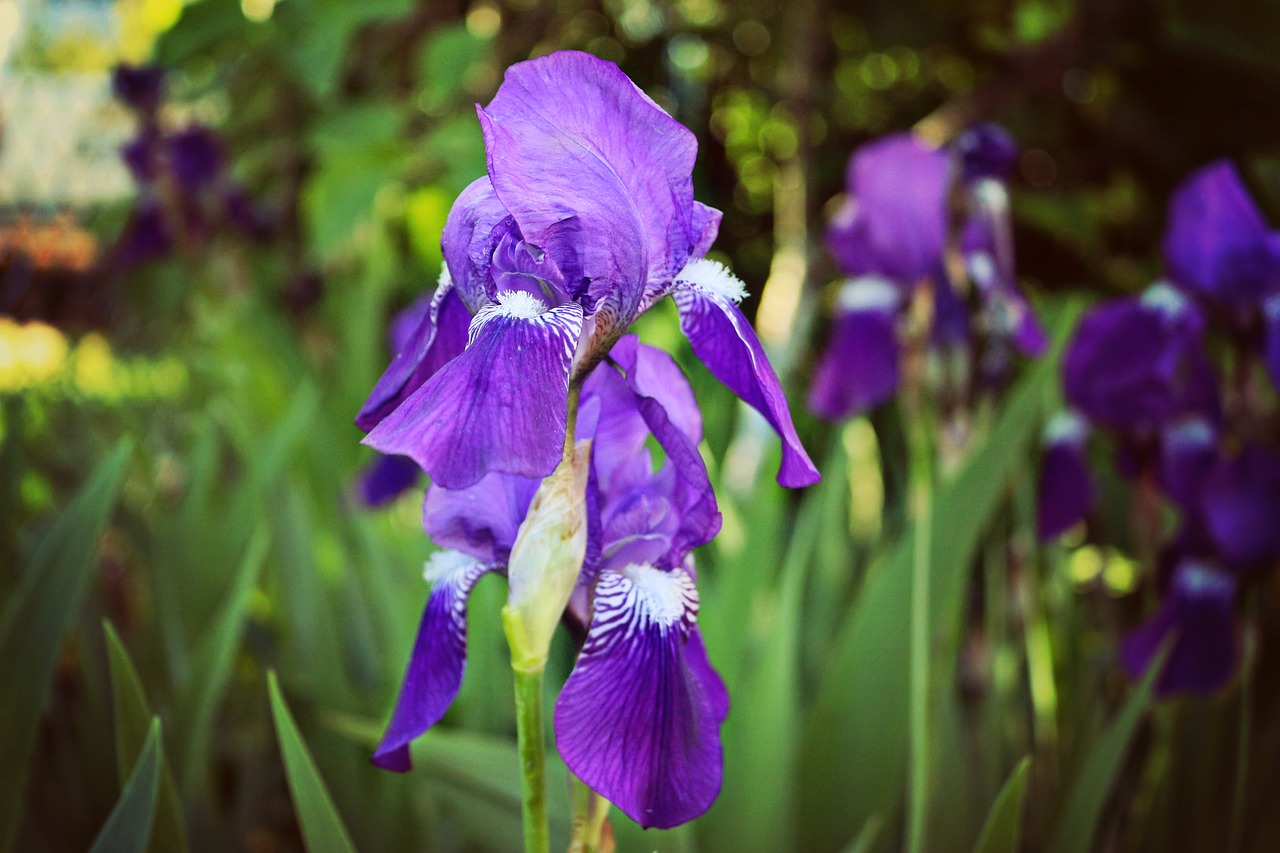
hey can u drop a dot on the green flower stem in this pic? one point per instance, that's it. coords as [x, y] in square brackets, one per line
[533, 761]
[590, 819]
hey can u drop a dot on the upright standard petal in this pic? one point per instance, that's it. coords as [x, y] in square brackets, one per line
[502, 405]
[1216, 243]
[477, 222]
[437, 339]
[1198, 609]
[859, 369]
[894, 223]
[570, 135]
[639, 717]
[439, 656]
[706, 295]
[1066, 490]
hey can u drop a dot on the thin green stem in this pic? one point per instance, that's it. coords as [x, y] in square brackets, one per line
[590, 818]
[921, 462]
[1243, 743]
[533, 770]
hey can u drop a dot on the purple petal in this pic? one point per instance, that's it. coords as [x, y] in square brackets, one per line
[195, 157]
[653, 373]
[569, 135]
[1216, 242]
[476, 224]
[895, 221]
[482, 519]
[639, 718]
[145, 236]
[987, 150]
[438, 338]
[859, 368]
[387, 478]
[500, 406]
[725, 342]
[1066, 490]
[1188, 449]
[1199, 606]
[404, 325]
[1241, 505]
[139, 87]
[438, 659]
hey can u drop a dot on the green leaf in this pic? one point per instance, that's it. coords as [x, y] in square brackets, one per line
[128, 828]
[854, 756]
[322, 827]
[36, 620]
[1000, 833]
[211, 664]
[132, 716]
[1081, 809]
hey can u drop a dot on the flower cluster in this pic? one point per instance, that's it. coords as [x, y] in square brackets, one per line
[1143, 369]
[522, 396]
[184, 191]
[894, 235]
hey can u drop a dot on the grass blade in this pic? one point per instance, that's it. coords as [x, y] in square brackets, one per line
[128, 828]
[322, 827]
[43, 608]
[132, 716]
[1003, 826]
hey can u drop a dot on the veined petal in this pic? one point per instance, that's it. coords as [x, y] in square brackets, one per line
[482, 519]
[859, 368]
[438, 338]
[639, 717]
[438, 659]
[725, 342]
[502, 405]
[653, 373]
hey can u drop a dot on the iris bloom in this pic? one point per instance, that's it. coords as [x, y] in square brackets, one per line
[638, 719]
[585, 220]
[892, 234]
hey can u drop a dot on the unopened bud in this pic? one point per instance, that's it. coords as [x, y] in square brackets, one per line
[546, 561]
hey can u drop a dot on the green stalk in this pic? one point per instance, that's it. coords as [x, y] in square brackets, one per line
[918, 793]
[533, 764]
[590, 818]
[1245, 734]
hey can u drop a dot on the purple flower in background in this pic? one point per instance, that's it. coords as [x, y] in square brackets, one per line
[1066, 489]
[639, 718]
[140, 87]
[1241, 506]
[1217, 244]
[986, 150]
[195, 157]
[1198, 610]
[387, 478]
[145, 236]
[859, 368]
[1136, 363]
[893, 224]
[585, 219]
[1188, 449]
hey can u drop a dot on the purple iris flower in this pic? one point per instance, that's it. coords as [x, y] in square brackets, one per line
[986, 150]
[893, 224]
[1136, 363]
[585, 219]
[1217, 244]
[1188, 450]
[1241, 505]
[1199, 608]
[638, 719]
[145, 237]
[140, 87]
[859, 368]
[1066, 489]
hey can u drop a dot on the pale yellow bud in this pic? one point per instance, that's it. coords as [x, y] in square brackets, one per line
[546, 561]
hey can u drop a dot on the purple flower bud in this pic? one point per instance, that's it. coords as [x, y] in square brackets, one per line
[986, 150]
[1065, 491]
[1216, 243]
[195, 157]
[1198, 610]
[139, 87]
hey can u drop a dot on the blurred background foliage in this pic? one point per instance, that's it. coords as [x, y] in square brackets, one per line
[178, 511]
